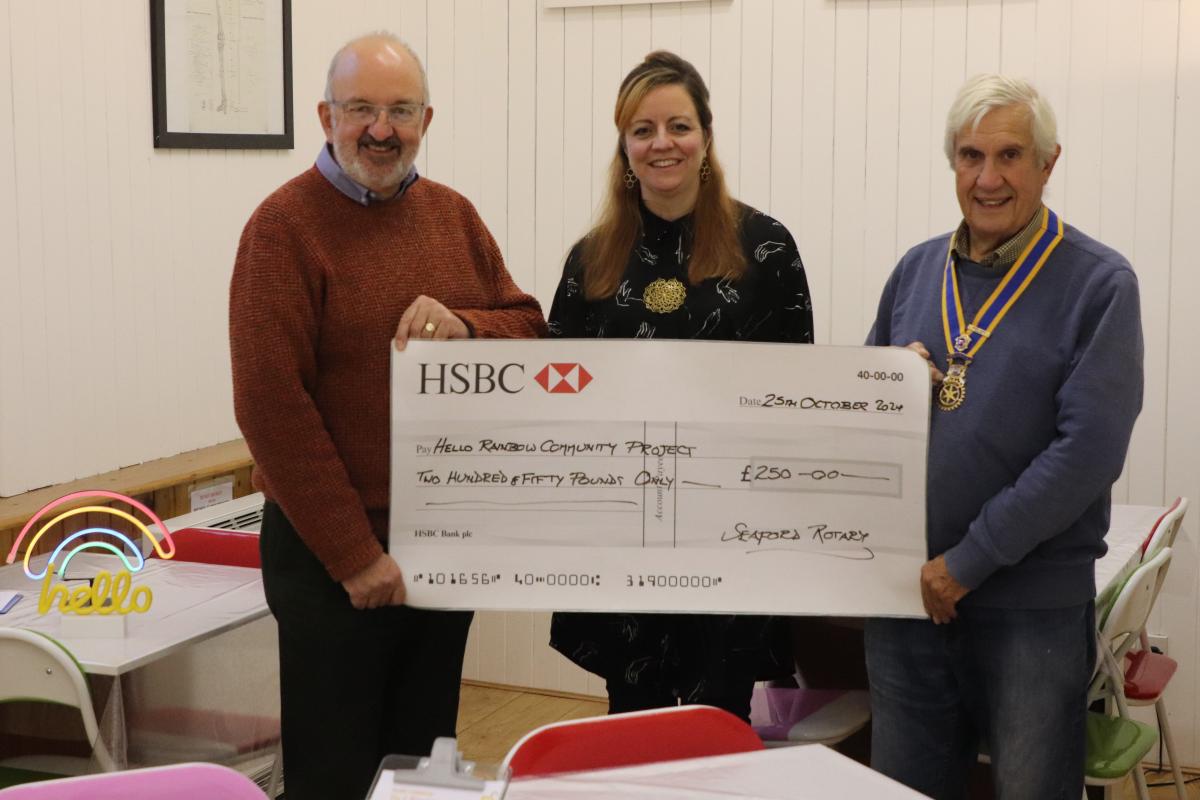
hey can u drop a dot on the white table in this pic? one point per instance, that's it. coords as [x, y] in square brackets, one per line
[809, 772]
[192, 602]
[206, 645]
[1129, 527]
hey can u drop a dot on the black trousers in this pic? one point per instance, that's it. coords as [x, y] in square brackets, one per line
[355, 685]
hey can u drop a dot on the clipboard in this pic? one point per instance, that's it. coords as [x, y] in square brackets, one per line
[442, 775]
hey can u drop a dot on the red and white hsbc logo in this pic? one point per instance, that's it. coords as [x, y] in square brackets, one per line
[567, 378]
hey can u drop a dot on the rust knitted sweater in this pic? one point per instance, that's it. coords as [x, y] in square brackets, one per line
[319, 284]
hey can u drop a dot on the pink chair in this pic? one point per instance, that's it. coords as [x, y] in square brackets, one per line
[639, 737]
[176, 782]
[788, 716]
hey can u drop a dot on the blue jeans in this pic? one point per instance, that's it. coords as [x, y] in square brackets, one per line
[1014, 678]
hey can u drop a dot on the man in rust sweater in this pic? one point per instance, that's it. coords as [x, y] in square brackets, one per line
[332, 267]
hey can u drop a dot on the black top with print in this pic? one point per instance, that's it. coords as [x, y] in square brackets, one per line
[770, 303]
[655, 659]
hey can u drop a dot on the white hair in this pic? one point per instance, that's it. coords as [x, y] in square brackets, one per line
[386, 36]
[990, 91]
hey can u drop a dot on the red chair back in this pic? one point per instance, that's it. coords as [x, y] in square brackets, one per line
[639, 737]
[217, 546]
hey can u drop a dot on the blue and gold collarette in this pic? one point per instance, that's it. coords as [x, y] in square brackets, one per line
[964, 340]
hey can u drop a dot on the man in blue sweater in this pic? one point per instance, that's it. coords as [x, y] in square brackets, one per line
[1033, 335]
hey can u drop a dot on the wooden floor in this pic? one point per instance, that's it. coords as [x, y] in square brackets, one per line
[491, 720]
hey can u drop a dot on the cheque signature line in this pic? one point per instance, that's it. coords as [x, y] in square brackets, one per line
[867, 553]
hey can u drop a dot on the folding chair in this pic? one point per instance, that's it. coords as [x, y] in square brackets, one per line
[1147, 673]
[638, 737]
[40, 669]
[174, 782]
[1117, 745]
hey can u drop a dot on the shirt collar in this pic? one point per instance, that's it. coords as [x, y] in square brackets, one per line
[1006, 254]
[328, 166]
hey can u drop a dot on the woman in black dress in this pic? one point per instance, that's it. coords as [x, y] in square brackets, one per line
[673, 256]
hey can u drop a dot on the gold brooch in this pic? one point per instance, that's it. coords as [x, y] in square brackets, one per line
[664, 295]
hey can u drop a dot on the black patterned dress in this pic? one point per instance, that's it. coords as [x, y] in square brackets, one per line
[654, 660]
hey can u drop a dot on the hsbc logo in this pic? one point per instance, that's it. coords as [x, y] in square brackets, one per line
[471, 378]
[564, 378]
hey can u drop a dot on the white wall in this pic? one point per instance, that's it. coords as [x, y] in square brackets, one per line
[828, 115]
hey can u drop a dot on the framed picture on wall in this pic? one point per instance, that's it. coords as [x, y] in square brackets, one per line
[222, 73]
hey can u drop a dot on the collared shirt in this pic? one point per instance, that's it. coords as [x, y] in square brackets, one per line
[333, 172]
[1006, 254]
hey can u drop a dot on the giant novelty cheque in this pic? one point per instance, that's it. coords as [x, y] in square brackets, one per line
[659, 476]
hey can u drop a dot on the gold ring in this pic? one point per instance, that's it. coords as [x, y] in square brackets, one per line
[430, 327]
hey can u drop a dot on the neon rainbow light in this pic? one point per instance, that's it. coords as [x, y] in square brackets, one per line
[62, 570]
[166, 553]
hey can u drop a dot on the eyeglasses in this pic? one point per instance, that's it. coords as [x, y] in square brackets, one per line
[401, 115]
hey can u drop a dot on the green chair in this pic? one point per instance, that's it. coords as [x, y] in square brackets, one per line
[1115, 747]
[1117, 744]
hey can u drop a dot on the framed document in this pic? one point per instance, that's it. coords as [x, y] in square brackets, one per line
[222, 73]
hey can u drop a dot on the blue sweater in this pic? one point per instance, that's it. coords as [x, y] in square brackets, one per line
[1020, 474]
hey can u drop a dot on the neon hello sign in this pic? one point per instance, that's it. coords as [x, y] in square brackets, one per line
[109, 593]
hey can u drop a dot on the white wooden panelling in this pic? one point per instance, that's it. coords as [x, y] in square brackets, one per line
[787, 117]
[696, 36]
[1118, 179]
[666, 29]
[881, 168]
[949, 71]
[636, 34]
[37, 454]
[522, 148]
[917, 138]
[607, 71]
[1183, 378]
[467, 129]
[816, 170]
[577, 172]
[1151, 200]
[1018, 42]
[491, 68]
[827, 115]
[754, 121]
[550, 245]
[984, 19]
[852, 116]
[439, 64]
[726, 89]
[13, 443]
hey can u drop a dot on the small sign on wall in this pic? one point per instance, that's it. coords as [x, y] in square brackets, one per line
[212, 494]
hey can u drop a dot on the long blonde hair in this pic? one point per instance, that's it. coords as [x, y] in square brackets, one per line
[716, 243]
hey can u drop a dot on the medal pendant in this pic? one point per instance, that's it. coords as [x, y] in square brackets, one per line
[664, 295]
[954, 387]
